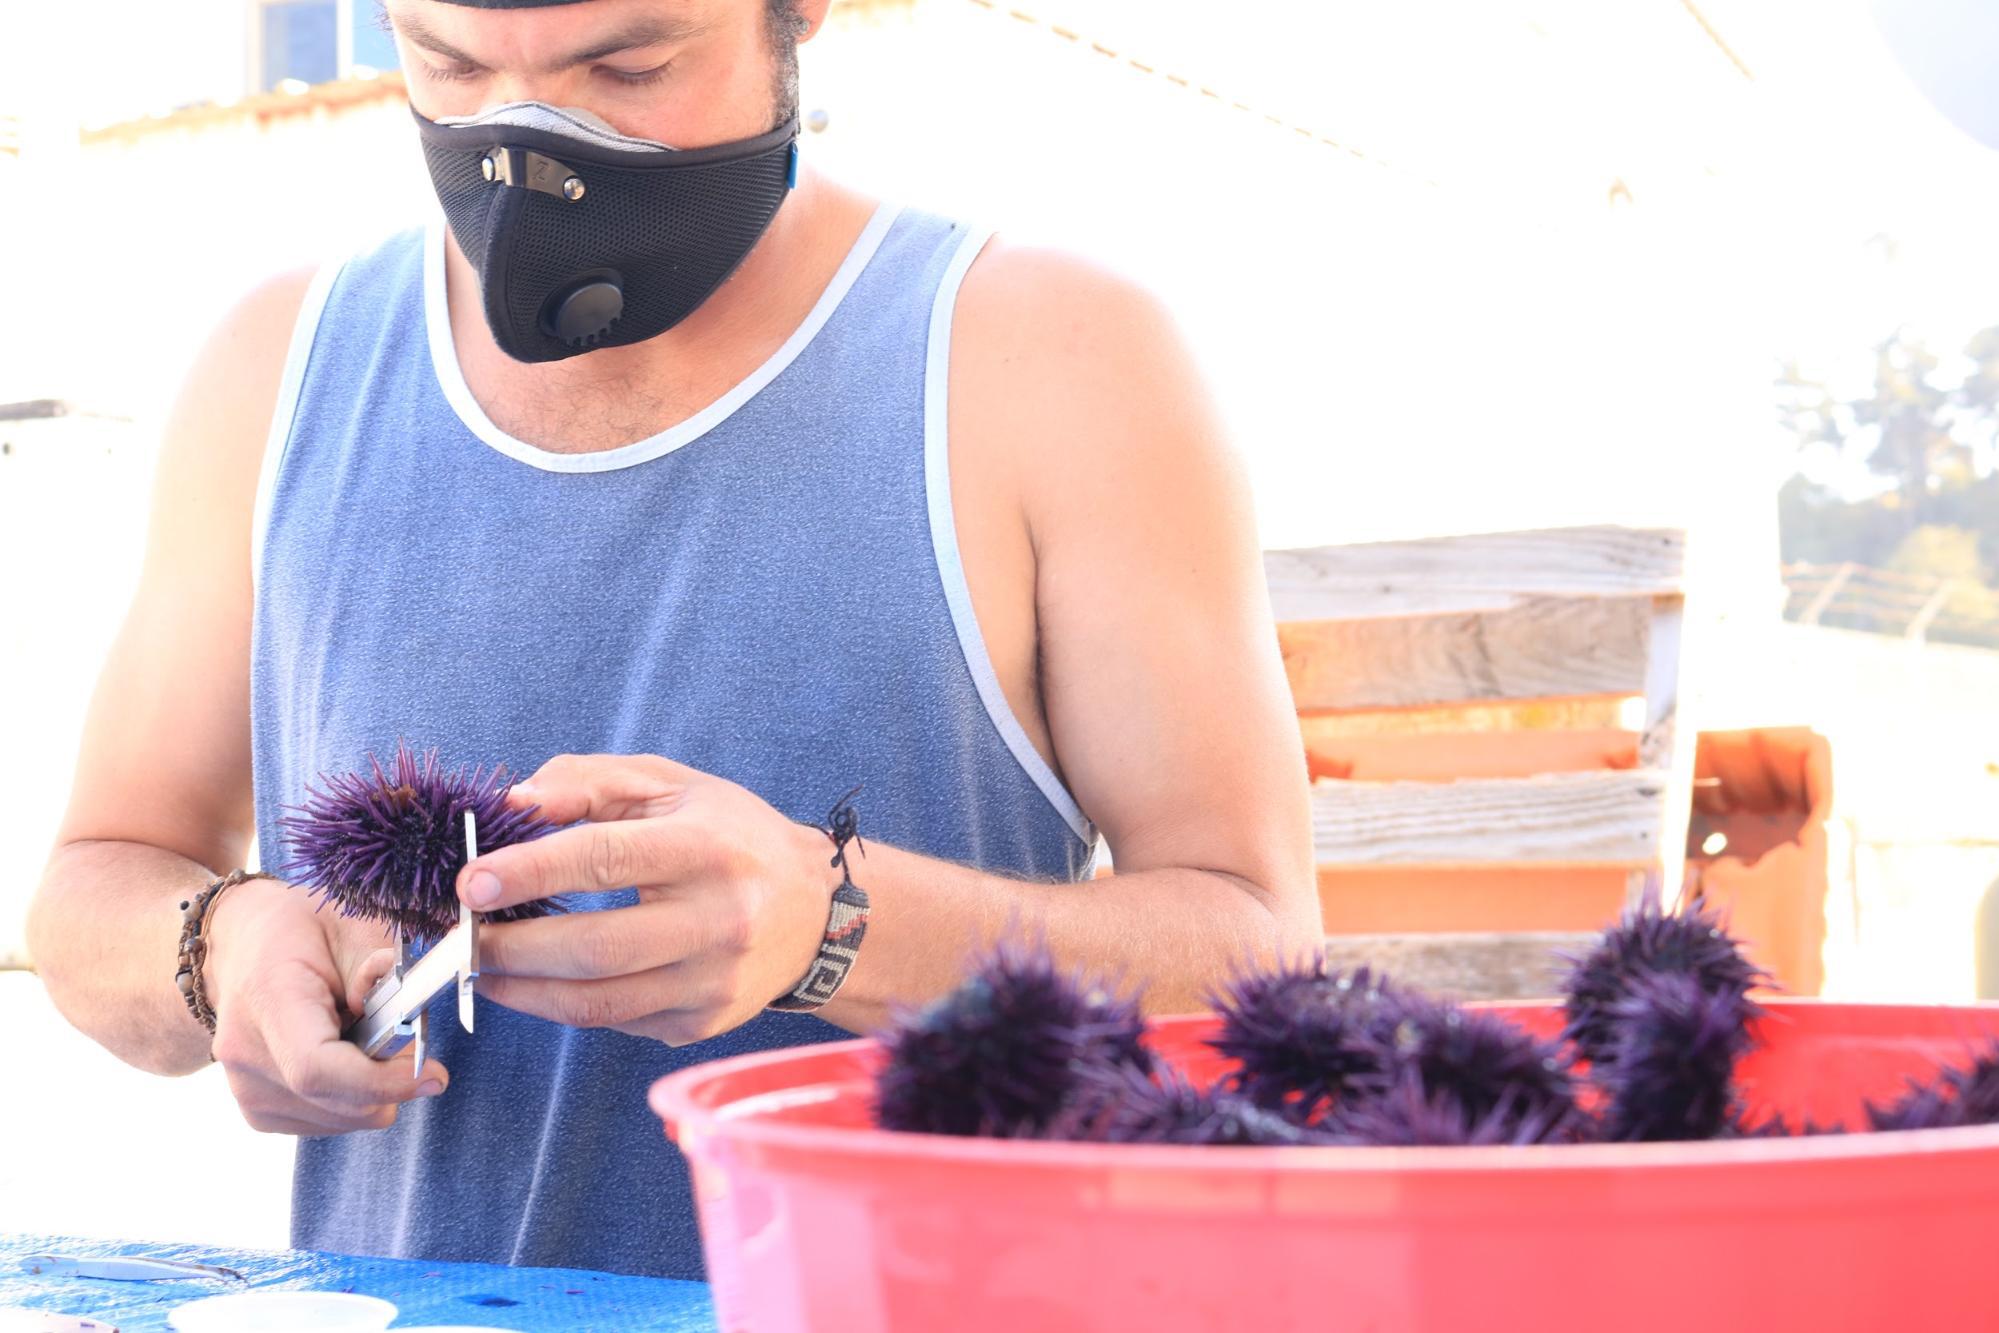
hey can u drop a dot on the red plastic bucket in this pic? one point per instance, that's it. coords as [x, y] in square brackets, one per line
[813, 1220]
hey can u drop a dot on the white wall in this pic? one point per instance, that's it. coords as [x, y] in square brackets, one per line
[1914, 838]
[1396, 356]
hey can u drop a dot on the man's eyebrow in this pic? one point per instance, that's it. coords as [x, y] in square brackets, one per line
[652, 31]
[649, 31]
[423, 35]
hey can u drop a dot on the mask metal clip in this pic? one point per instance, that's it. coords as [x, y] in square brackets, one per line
[529, 170]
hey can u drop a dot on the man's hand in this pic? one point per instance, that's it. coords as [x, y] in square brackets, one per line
[733, 900]
[279, 974]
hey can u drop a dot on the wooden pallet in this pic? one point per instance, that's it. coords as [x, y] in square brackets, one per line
[1463, 635]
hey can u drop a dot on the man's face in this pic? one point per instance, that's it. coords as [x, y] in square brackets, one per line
[688, 73]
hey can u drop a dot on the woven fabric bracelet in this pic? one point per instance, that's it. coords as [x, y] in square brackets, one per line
[846, 923]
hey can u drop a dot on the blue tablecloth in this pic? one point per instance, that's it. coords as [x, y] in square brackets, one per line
[426, 1293]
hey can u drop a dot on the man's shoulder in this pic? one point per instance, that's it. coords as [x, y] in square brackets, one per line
[1072, 367]
[1031, 291]
[245, 351]
[216, 431]
[280, 295]
[249, 343]
[266, 307]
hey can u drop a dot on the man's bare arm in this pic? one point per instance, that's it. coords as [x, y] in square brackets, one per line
[1164, 692]
[161, 801]
[1165, 695]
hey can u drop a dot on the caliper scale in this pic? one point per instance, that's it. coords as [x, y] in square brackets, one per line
[395, 1014]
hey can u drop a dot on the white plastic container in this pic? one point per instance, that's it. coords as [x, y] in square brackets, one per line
[284, 1312]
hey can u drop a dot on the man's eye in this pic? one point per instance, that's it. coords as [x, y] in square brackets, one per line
[449, 73]
[639, 78]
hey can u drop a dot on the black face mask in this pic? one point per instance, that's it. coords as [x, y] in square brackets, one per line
[582, 243]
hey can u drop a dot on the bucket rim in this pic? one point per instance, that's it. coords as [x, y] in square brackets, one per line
[675, 1099]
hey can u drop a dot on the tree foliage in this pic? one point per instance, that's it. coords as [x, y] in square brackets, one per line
[1923, 503]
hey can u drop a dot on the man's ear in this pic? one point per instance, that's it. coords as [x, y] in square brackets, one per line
[814, 14]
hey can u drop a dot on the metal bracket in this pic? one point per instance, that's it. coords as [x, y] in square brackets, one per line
[529, 170]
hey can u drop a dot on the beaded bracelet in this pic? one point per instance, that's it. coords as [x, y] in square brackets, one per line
[194, 913]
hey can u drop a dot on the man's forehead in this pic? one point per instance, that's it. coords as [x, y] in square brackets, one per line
[568, 13]
[511, 4]
[550, 32]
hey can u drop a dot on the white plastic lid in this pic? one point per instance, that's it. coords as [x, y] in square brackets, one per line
[284, 1312]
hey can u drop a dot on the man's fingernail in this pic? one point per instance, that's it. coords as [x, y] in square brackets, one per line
[482, 889]
[431, 1087]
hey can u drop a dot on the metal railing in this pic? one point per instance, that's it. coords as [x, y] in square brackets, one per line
[1922, 607]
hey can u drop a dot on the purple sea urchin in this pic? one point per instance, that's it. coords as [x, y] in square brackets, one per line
[1954, 1097]
[1672, 1075]
[389, 846]
[1408, 1116]
[1007, 1053]
[1483, 1064]
[1131, 1106]
[1647, 942]
[1303, 1038]
[1776, 1125]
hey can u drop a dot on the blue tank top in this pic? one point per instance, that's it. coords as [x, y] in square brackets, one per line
[770, 591]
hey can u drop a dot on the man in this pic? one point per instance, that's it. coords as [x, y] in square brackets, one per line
[745, 493]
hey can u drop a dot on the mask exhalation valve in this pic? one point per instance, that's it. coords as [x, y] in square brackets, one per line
[585, 309]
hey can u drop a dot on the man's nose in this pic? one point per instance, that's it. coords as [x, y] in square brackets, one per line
[551, 89]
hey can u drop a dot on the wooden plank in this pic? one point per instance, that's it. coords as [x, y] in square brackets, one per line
[1476, 966]
[1540, 648]
[1486, 572]
[1378, 900]
[1606, 818]
[1448, 756]
[1513, 716]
